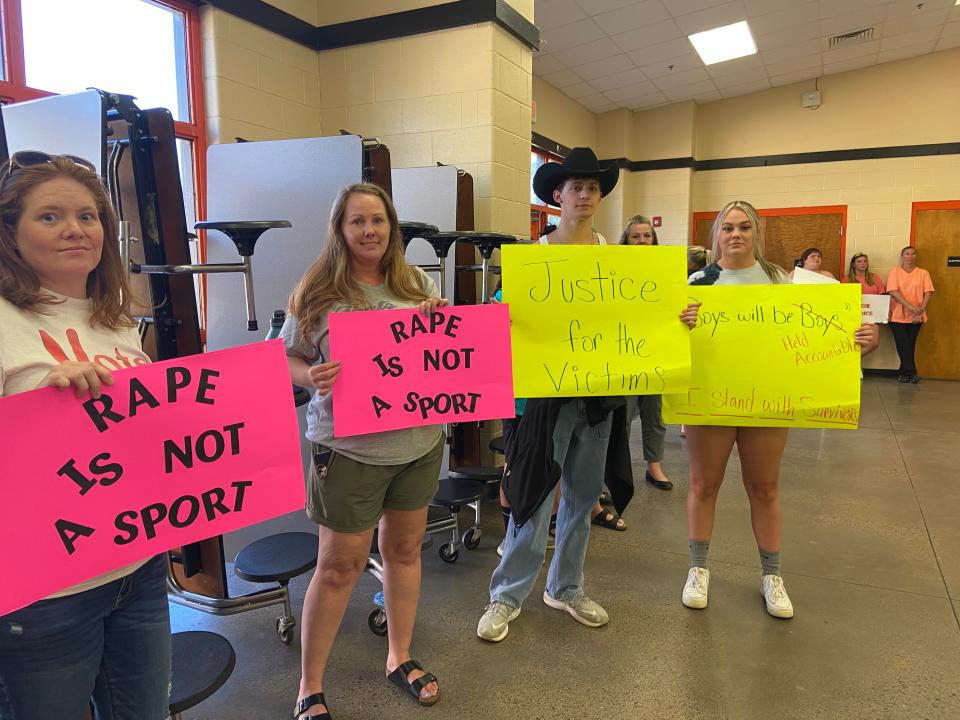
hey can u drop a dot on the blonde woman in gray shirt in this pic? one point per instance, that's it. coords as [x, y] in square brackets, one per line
[357, 482]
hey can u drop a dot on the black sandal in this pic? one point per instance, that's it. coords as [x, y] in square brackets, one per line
[414, 687]
[310, 701]
[611, 523]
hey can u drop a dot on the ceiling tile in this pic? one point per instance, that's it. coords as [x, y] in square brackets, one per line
[644, 101]
[621, 94]
[650, 35]
[794, 65]
[904, 9]
[785, 19]
[848, 65]
[607, 66]
[590, 52]
[593, 99]
[917, 37]
[685, 7]
[622, 79]
[567, 36]
[915, 22]
[661, 51]
[951, 30]
[562, 78]
[907, 51]
[600, 109]
[595, 7]
[760, 7]
[946, 43]
[633, 16]
[543, 64]
[579, 90]
[745, 88]
[795, 77]
[688, 92]
[839, 7]
[849, 52]
[747, 76]
[554, 13]
[786, 52]
[673, 65]
[713, 17]
[738, 66]
[682, 77]
[851, 21]
[789, 36]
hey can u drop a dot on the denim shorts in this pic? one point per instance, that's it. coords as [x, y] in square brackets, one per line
[349, 496]
[115, 637]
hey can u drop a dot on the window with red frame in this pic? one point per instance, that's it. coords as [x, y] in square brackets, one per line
[146, 48]
[541, 215]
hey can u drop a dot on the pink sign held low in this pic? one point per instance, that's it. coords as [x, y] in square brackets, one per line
[403, 369]
[171, 453]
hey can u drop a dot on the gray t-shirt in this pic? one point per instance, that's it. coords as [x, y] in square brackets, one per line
[391, 447]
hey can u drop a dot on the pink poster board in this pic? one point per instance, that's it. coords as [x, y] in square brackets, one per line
[172, 453]
[402, 369]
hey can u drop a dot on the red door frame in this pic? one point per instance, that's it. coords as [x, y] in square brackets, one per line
[928, 205]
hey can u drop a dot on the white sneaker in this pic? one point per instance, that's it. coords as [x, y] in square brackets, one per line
[695, 591]
[500, 549]
[775, 595]
[581, 608]
[495, 622]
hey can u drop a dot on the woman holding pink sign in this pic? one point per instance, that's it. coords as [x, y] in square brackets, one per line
[64, 299]
[359, 481]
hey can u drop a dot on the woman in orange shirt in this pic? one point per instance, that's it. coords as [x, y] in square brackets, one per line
[910, 288]
[870, 284]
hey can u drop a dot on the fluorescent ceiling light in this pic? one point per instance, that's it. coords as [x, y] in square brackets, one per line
[725, 43]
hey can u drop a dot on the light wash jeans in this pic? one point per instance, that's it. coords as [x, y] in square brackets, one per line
[581, 451]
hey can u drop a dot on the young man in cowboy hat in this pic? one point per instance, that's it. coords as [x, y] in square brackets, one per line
[572, 434]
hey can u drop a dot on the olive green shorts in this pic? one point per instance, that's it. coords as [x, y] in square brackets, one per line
[351, 496]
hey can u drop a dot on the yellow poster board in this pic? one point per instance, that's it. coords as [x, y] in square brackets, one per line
[596, 320]
[773, 356]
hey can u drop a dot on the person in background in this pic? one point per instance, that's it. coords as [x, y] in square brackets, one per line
[698, 257]
[870, 284]
[640, 231]
[61, 280]
[357, 482]
[911, 289]
[811, 259]
[737, 242]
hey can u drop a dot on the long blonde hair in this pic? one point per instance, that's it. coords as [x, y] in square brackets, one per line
[852, 271]
[107, 284]
[773, 271]
[329, 279]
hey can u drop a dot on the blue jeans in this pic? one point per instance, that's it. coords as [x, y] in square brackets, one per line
[581, 451]
[116, 636]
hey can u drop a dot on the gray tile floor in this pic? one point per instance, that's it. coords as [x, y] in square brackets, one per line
[871, 560]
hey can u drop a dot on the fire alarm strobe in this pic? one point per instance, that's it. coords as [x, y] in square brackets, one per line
[657, 221]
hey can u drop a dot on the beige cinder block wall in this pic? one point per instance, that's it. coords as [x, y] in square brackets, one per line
[460, 97]
[913, 101]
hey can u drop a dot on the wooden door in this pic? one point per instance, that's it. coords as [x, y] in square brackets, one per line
[787, 236]
[936, 237]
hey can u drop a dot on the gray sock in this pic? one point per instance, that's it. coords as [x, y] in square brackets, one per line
[770, 560]
[698, 553]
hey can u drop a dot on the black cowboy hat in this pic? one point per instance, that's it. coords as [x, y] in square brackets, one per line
[580, 163]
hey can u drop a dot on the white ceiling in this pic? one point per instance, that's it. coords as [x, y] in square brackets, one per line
[609, 54]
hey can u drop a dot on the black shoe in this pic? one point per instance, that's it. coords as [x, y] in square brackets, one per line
[605, 499]
[915, 379]
[659, 484]
[904, 378]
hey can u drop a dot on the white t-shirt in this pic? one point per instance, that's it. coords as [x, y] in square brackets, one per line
[753, 275]
[601, 240]
[31, 344]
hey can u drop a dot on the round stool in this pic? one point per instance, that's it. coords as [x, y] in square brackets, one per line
[411, 230]
[489, 476]
[453, 493]
[441, 243]
[486, 243]
[202, 663]
[278, 558]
